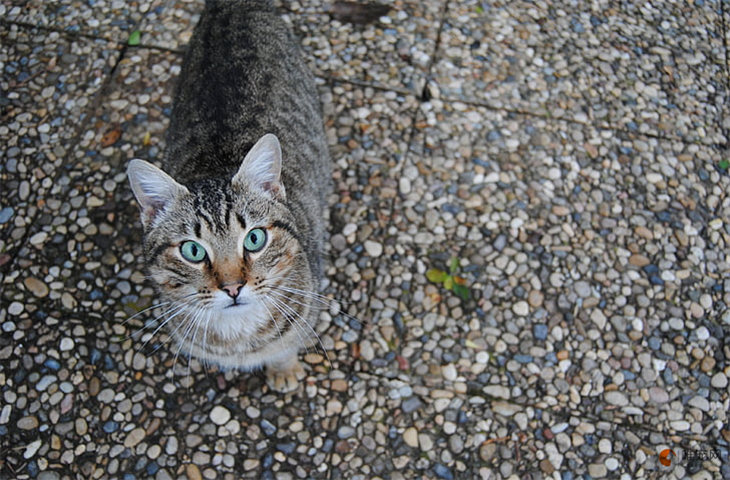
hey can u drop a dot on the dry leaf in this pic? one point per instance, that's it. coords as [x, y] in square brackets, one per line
[111, 137]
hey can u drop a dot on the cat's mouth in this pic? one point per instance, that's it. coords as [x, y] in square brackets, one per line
[235, 304]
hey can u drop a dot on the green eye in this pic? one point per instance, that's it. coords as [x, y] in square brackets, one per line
[192, 251]
[255, 240]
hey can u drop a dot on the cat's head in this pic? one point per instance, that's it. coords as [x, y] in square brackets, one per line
[225, 254]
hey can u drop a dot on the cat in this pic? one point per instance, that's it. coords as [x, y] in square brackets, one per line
[235, 221]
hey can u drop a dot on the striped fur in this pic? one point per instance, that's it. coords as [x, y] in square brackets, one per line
[242, 78]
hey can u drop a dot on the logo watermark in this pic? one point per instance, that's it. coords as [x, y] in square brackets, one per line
[669, 457]
[666, 456]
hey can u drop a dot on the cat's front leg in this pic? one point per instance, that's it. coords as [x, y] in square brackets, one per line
[284, 375]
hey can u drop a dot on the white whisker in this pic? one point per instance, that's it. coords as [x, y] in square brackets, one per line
[194, 331]
[297, 318]
[151, 307]
[172, 312]
[273, 319]
[190, 324]
[205, 336]
[280, 307]
[322, 301]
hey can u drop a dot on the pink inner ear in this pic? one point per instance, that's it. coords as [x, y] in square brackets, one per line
[276, 188]
[151, 209]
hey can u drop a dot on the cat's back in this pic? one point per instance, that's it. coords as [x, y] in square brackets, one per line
[243, 76]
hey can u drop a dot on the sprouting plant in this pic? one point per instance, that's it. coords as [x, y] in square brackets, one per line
[450, 280]
[134, 38]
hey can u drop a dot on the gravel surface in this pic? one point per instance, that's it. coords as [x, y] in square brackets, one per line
[570, 157]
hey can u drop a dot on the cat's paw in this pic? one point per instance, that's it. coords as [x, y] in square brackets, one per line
[286, 379]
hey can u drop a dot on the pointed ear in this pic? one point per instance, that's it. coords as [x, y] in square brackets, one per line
[153, 188]
[262, 167]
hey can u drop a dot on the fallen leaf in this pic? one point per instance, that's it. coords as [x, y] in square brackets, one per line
[146, 139]
[436, 276]
[462, 292]
[591, 149]
[111, 137]
[453, 265]
[134, 38]
[495, 440]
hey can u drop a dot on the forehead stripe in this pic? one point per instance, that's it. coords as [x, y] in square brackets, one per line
[156, 253]
[201, 214]
[286, 227]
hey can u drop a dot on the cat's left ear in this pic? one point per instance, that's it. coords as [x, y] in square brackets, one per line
[262, 167]
[154, 189]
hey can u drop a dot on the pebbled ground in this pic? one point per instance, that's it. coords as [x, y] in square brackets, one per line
[573, 158]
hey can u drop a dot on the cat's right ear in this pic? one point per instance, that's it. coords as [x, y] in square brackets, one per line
[153, 189]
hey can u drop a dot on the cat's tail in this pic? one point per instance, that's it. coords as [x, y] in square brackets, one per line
[246, 4]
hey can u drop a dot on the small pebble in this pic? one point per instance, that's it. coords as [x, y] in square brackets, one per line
[719, 380]
[374, 249]
[134, 437]
[220, 415]
[521, 308]
[616, 398]
[410, 437]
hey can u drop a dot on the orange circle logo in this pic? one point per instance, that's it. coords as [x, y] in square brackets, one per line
[665, 457]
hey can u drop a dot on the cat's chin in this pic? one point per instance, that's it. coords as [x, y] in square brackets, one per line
[234, 321]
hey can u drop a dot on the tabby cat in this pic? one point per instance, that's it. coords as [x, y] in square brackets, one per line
[233, 231]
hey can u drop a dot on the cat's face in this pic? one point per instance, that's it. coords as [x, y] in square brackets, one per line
[225, 254]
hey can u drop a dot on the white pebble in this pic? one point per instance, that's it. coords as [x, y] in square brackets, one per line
[482, 357]
[719, 380]
[599, 319]
[38, 238]
[499, 391]
[220, 415]
[653, 177]
[616, 398]
[16, 308]
[349, 229]
[604, 446]
[699, 402]
[119, 104]
[404, 185]
[66, 344]
[680, 425]
[449, 372]
[31, 449]
[702, 333]
[706, 301]
[374, 249]
[521, 308]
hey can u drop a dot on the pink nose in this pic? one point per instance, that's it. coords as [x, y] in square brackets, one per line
[232, 289]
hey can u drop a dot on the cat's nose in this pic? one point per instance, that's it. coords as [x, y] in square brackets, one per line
[232, 289]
